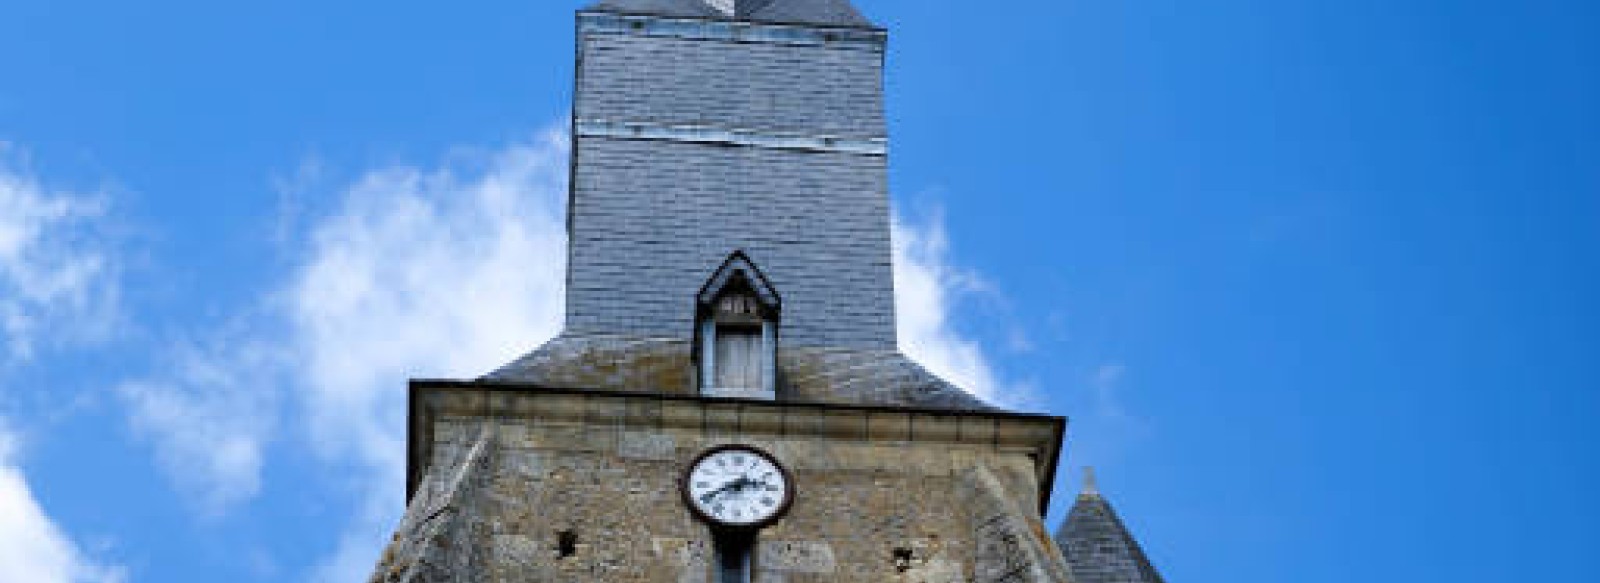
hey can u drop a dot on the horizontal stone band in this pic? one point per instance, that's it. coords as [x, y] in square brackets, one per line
[737, 137]
[731, 30]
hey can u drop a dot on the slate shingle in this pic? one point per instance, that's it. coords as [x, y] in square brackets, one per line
[820, 12]
[1098, 546]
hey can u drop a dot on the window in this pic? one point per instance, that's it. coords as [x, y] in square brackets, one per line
[739, 358]
[737, 333]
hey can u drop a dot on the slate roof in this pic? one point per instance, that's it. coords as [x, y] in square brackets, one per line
[822, 12]
[1098, 546]
[816, 375]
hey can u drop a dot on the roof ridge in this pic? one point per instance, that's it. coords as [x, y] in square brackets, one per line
[821, 12]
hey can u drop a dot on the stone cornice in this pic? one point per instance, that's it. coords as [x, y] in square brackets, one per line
[1039, 436]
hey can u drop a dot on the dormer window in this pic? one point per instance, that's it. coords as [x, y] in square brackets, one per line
[737, 336]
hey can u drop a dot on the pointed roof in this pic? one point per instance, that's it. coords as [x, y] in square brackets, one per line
[1098, 546]
[820, 12]
[739, 266]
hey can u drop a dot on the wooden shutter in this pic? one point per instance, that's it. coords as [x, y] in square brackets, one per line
[739, 358]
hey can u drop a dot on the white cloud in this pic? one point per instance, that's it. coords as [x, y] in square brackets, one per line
[57, 277]
[447, 272]
[444, 272]
[417, 272]
[210, 421]
[1108, 387]
[929, 290]
[33, 547]
[1107, 383]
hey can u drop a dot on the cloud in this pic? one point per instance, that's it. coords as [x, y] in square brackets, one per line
[444, 272]
[57, 276]
[1108, 426]
[1106, 384]
[930, 290]
[33, 547]
[211, 420]
[447, 271]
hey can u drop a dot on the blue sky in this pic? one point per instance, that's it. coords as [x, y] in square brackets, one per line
[1314, 281]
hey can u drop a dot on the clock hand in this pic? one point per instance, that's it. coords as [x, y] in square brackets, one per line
[706, 498]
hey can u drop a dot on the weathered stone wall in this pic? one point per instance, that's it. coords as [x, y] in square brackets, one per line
[432, 544]
[585, 488]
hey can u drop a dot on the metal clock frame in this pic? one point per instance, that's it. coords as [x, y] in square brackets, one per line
[688, 498]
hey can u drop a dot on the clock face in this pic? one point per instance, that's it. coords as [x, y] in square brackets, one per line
[738, 486]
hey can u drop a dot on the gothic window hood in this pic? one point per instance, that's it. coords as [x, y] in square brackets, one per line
[737, 342]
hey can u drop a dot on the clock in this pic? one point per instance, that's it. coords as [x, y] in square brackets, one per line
[737, 486]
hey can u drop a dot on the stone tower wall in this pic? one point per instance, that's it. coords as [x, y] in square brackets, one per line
[882, 496]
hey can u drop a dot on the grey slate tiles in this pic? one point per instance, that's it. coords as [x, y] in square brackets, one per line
[1098, 546]
[815, 12]
[654, 213]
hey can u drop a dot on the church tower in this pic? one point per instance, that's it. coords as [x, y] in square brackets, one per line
[726, 402]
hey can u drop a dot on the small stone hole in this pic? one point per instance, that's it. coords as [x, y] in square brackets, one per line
[902, 559]
[566, 544]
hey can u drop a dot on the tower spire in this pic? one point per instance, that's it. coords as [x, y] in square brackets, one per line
[1096, 543]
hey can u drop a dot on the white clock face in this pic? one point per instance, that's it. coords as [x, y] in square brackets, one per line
[737, 486]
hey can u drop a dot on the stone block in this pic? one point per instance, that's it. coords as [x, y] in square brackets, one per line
[796, 556]
[722, 420]
[977, 430]
[680, 417]
[886, 426]
[946, 428]
[647, 445]
[563, 408]
[759, 420]
[1025, 433]
[845, 426]
[644, 413]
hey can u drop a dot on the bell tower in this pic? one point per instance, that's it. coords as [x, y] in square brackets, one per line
[726, 402]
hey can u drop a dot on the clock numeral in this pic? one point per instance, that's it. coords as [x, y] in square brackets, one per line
[767, 501]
